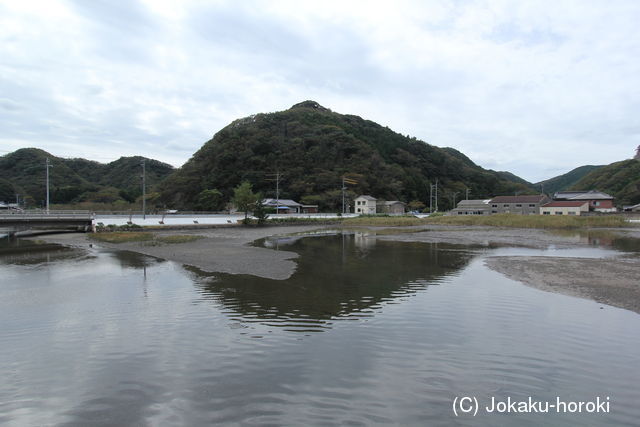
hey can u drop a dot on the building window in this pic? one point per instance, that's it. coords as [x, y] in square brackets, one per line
[459, 212]
[505, 205]
[494, 211]
[518, 206]
[596, 203]
[494, 206]
[546, 213]
[559, 213]
[532, 205]
[571, 213]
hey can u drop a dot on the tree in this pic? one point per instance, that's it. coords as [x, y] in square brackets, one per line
[416, 205]
[210, 200]
[260, 211]
[244, 198]
[7, 192]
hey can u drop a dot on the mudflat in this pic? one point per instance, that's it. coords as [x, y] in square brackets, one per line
[224, 250]
[614, 281]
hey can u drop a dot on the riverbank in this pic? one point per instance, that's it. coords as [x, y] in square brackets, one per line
[224, 250]
[612, 281]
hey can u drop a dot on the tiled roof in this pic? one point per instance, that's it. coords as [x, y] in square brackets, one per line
[462, 203]
[567, 204]
[281, 202]
[582, 195]
[518, 199]
[390, 202]
[366, 198]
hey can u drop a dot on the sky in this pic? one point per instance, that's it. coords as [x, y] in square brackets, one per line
[535, 88]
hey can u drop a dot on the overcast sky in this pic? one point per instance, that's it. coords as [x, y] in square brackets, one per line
[535, 88]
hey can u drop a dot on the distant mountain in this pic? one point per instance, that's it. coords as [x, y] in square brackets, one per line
[74, 180]
[313, 147]
[620, 179]
[565, 181]
[514, 178]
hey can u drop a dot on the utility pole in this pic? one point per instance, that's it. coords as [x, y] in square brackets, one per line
[433, 196]
[144, 189]
[467, 193]
[47, 166]
[343, 188]
[436, 195]
[346, 181]
[455, 195]
[276, 178]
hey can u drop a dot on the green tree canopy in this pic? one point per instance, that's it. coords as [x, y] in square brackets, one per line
[210, 200]
[244, 198]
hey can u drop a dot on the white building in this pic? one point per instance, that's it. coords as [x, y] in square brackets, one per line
[365, 205]
[576, 208]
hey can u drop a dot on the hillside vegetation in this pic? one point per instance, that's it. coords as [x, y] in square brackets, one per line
[314, 148]
[75, 180]
[565, 181]
[620, 179]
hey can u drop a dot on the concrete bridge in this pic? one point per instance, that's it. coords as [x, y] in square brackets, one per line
[34, 222]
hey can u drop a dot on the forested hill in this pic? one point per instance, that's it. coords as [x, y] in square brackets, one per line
[620, 179]
[565, 181]
[313, 148]
[75, 180]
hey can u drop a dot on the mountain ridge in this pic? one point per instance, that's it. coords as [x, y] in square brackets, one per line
[22, 172]
[314, 147]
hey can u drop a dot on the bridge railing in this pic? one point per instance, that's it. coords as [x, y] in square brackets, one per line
[40, 214]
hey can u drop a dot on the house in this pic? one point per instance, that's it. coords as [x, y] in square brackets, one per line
[391, 207]
[284, 206]
[365, 205]
[633, 208]
[576, 208]
[309, 209]
[522, 205]
[598, 201]
[472, 207]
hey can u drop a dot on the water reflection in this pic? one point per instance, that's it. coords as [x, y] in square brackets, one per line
[343, 276]
[34, 252]
[134, 260]
[602, 238]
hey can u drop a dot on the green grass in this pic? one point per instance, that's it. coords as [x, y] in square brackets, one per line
[296, 220]
[389, 221]
[148, 238]
[533, 221]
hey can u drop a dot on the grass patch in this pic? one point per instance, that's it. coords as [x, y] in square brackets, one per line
[178, 238]
[389, 221]
[533, 221]
[122, 237]
[148, 238]
[300, 220]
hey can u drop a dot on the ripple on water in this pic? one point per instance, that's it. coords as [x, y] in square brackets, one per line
[406, 328]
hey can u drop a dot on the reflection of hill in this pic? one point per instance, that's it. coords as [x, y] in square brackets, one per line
[128, 259]
[336, 276]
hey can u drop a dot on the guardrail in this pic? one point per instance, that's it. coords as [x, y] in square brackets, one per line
[43, 212]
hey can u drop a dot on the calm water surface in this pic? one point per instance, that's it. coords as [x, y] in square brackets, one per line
[365, 332]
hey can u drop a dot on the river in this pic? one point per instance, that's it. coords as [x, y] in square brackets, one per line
[366, 332]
